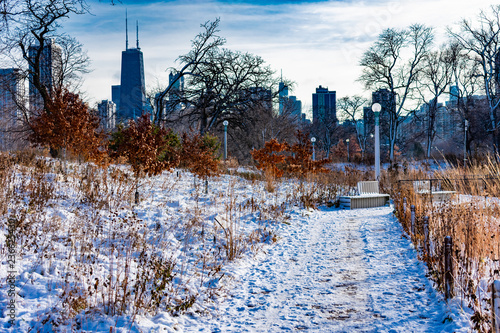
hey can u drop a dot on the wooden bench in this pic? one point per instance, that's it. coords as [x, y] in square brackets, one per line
[368, 197]
[423, 187]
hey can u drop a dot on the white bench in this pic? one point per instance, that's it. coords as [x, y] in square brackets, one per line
[423, 187]
[368, 197]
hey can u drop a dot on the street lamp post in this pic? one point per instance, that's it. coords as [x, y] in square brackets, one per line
[465, 141]
[225, 123]
[347, 141]
[313, 140]
[376, 110]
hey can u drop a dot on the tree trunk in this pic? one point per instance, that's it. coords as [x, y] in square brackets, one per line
[391, 156]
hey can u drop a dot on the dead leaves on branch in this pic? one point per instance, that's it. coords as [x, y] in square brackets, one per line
[280, 158]
[148, 148]
[67, 123]
[151, 149]
[200, 154]
[271, 158]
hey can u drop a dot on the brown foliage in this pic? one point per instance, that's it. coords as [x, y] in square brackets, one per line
[270, 158]
[339, 151]
[276, 158]
[300, 162]
[148, 148]
[199, 154]
[68, 123]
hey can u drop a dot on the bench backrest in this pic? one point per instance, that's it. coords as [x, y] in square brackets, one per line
[368, 187]
[422, 186]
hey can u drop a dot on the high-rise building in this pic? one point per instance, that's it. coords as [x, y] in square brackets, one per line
[11, 94]
[50, 71]
[282, 95]
[176, 82]
[324, 104]
[132, 84]
[107, 114]
[454, 96]
[115, 95]
[176, 92]
[454, 93]
[296, 107]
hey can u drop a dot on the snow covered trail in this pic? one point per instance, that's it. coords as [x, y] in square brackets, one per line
[335, 271]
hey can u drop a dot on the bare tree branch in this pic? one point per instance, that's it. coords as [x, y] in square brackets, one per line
[385, 65]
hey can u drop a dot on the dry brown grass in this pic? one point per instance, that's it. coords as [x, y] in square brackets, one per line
[114, 263]
[471, 218]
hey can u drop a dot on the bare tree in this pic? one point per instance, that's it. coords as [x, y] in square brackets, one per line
[324, 128]
[205, 42]
[259, 125]
[468, 82]
[434, 79]
[74, 62]
[482, 39]
[226, 85]
[394, 63]
[10, 10]
[35, 29]
[219, 84]
[50, 60]
[352, 107]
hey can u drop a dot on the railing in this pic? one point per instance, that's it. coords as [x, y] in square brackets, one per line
[466, 185]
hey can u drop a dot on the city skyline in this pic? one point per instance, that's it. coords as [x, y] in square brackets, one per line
[313, 42]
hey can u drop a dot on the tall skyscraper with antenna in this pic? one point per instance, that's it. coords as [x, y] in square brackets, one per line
[132, 89]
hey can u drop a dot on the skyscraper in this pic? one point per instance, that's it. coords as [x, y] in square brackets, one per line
[176, 81]
[50, 71]
[176, 94]
[107, 114]
[283, 95]
[296, 107]
[324, 105]
[11, 93]
[132, 84]
[115, 95]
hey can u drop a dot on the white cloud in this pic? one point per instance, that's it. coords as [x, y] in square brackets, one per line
[314, 43]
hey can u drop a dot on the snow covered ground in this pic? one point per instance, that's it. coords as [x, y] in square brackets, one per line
[331, 270]
[336, 271]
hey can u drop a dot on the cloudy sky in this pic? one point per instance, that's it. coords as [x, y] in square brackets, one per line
[313, 42]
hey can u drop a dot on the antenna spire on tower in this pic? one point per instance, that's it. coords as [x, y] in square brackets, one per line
[126, 31]
[137, 33]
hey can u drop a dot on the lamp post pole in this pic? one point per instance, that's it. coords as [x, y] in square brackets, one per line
[465, 141]
[313, 140]
[225, 123]
[347, 141]
[376, 110]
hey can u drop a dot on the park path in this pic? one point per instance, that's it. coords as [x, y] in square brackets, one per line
[335, 271]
